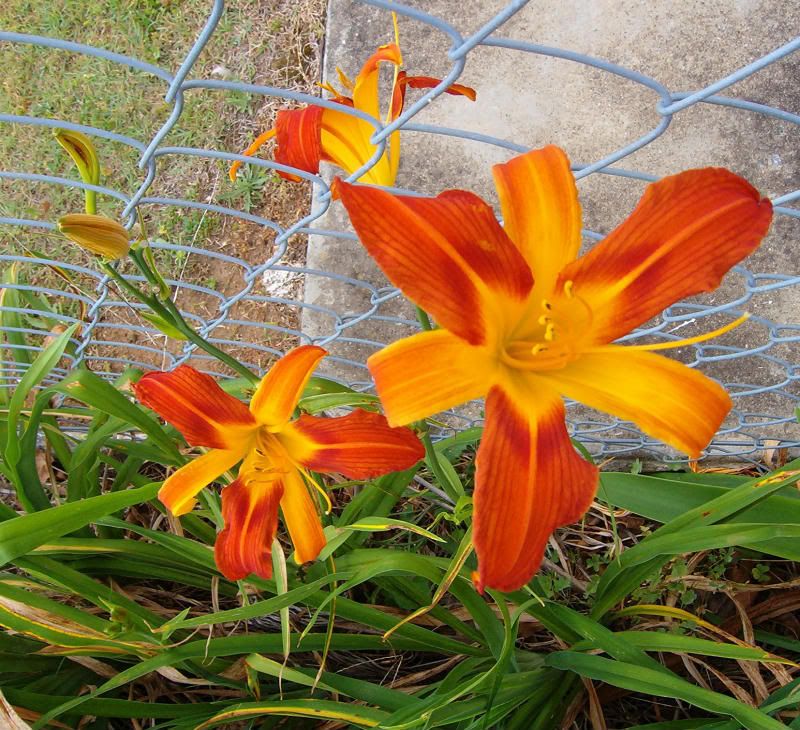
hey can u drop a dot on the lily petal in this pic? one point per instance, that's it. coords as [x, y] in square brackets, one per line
[279, 390]
[180, 488]
[448, 254]
[428, 373]
[686, 232]
[365, 89]
[299, 142]
[405, 81]
[360, 445]
[366, 98]
[665, 398]
[529, 481]
[541, 212]
[302, 518]
[250, 513]
[194, 404]
[345, 142]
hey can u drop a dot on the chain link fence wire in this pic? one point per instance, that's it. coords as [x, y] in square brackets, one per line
[761, 373]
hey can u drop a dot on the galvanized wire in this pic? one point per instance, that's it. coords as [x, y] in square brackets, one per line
[744, 435]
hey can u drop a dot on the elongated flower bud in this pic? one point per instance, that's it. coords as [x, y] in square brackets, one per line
[83, 153]
[96, 233]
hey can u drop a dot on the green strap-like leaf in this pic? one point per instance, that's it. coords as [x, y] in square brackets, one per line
[23, 534]
[651, 682]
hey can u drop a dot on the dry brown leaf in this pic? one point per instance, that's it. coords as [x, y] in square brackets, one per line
[9, 719]
[751, 669]
[596, 716]
[739, 692]
[101, 669]
[174, 675]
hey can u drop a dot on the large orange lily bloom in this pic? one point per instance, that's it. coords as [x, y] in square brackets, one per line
[276, 454]
[310, 134]
[525, 321]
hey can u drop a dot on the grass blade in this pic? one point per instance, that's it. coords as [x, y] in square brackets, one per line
[652, 682]
[23, 534]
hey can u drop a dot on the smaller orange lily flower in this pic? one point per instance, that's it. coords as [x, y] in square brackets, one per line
[524, 321]
[276, 452]
[312, 134]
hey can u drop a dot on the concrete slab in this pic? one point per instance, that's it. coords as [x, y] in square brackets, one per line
[534, 100]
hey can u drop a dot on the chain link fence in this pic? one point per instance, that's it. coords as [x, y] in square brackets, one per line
[760, 368]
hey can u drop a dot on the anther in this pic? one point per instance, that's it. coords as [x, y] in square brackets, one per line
[550, 332]
[544, 319]
[537, 348]
[546, 305]
[568, 288]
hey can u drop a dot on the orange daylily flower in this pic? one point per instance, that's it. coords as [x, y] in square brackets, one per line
[525, 320]
[276, 452]
[310, 134]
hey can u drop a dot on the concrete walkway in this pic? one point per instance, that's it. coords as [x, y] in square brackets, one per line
[534, 100]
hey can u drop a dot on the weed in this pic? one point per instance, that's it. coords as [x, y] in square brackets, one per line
[246, 191]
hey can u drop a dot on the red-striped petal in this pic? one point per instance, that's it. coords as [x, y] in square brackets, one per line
[250, 513]
[541, 213]
[529, 481]
[428, 82]
[298, 134]
[279, 390]
[194, 404]
[686, 232]
[448, 254]
[360, 445]
[422, 82]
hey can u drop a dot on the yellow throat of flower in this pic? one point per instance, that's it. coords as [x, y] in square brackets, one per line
[557, 330]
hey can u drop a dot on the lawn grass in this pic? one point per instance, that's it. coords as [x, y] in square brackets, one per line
[277, 42]
[272, 43]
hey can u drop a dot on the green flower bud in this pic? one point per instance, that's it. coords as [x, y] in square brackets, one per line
[83, 153]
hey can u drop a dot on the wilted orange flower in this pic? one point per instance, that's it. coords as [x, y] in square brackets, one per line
[310, 134]
[525, 321]
[277, 454]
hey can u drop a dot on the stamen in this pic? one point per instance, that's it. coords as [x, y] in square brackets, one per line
[396, 29]
[318, 487]
[344, 79]
[544, 319]
[546, 305]
[395, 69]
[545, 360]
[568, 288]
[693, 340]
[550, 332]
[325, 85]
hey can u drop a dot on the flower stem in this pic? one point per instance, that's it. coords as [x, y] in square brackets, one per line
[168, 306]
[432, 458]
[168, 311]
